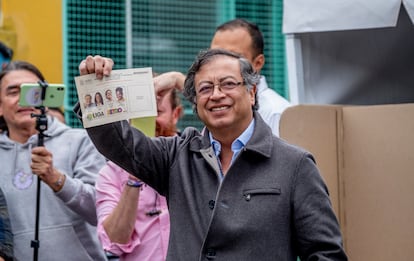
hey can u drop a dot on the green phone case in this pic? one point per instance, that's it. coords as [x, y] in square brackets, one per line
[30, 95]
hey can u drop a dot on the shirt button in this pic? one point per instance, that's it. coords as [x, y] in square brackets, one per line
[247, 197]
[211, 204]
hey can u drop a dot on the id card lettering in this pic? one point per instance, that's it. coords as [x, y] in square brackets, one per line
[125, 94]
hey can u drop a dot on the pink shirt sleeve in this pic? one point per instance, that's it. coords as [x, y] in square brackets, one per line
[156, 228]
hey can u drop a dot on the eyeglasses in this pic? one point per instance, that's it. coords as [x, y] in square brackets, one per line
[207, 89]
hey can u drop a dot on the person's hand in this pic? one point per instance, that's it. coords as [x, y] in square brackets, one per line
[168, 81]
[101, 66]
[42, 166]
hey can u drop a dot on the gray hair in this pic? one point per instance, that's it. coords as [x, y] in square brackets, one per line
[16, 66]
[250, 76]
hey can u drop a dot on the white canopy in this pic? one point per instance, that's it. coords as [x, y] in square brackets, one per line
[302, 16]
[350, 51]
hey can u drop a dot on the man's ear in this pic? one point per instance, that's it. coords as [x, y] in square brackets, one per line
[177, 113]
[258, 62]
[252, 93]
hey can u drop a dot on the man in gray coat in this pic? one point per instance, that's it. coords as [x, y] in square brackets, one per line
[235, 191]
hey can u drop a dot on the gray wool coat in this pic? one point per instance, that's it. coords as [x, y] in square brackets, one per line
[271, 205]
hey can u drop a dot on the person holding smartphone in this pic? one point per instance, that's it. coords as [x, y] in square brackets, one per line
[67, 166]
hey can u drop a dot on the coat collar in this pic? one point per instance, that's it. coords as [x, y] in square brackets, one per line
[260, 142]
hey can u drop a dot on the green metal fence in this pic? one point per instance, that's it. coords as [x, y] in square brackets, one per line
[163, 34]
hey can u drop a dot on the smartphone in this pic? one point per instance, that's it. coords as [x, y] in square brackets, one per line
[31, 95]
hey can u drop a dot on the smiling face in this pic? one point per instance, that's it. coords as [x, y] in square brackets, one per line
[108, 95]
[119, 94]
[16, 117]
[88, 100]
[98, 98]
[224, 112]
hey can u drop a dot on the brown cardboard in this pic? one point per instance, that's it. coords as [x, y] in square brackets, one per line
[366, 156]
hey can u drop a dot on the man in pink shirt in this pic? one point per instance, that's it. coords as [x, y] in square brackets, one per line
[133, 219]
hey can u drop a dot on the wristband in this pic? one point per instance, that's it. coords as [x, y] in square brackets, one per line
[59, 183]
[134, 183]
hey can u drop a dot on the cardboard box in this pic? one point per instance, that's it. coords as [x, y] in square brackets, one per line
[366, 156]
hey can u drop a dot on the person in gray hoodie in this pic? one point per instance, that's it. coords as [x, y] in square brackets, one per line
[67, 165]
